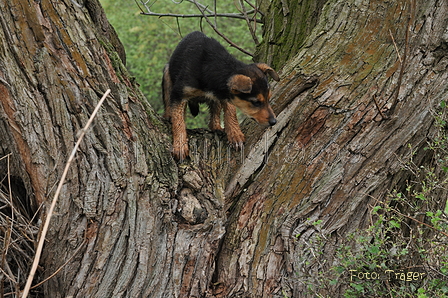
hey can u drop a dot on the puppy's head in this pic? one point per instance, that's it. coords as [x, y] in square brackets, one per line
[251, 93]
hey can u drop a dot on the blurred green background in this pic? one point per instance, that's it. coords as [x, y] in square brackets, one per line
[149, 40]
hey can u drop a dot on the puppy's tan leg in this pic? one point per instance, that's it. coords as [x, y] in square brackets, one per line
[180, 142]
[231, 126]
[215, 115]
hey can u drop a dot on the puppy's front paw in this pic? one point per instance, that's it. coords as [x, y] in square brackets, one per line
[180, 151]
[236, 138]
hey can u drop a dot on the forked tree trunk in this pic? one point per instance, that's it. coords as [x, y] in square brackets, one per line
[133, 223]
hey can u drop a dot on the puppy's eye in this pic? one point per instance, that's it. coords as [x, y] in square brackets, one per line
[257, 103]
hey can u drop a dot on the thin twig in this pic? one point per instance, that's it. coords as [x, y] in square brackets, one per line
[378, 107]
[254, 7]
[222, 35]
[203, 7]
[396, 47]
[251, 29]
[62, 266]
[141, 9]
[9, 224]
[178, 27]
[8, 276]
[216, 11]
[6, 244]
[10, 201]
[55, 198]
[54, 273]
[412, 218]
[420, 222]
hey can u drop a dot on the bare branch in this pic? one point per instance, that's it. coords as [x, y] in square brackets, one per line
[248, 21]
[254, 7]
[211, 15]
[205, 12]
[222, 35]
[250, 16]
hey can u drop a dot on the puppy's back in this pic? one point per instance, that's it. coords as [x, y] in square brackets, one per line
[202, 62]
[196, 49]
[187, 55]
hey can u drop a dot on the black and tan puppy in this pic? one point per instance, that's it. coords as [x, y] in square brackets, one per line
[201, 70]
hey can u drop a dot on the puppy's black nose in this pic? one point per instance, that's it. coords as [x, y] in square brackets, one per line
[272, 121]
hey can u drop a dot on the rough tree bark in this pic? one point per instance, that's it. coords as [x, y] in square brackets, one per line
[338, 154]
[130, 220]
[223, 224]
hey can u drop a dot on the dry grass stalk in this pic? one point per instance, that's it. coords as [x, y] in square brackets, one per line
[17, 233]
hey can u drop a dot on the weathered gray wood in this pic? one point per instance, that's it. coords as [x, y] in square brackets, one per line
[337, 155]
[225, 224]
[124, 201]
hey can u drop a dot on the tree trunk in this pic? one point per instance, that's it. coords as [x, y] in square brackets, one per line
[133, 223]
[338, 154]
[117, 220]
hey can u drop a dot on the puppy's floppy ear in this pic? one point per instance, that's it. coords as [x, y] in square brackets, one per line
[268, 70]
[240, 84]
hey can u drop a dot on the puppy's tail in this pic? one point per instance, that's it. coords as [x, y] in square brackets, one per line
[194, 108]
